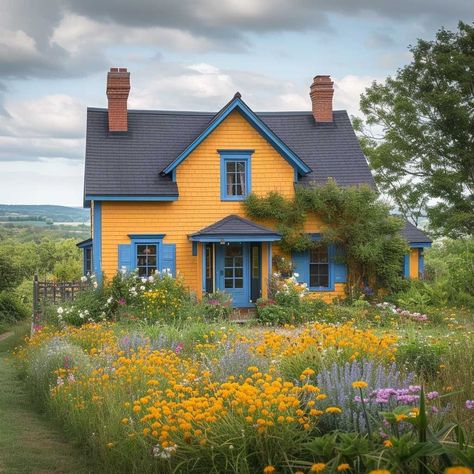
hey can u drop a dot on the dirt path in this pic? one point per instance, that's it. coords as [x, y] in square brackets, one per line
[29, 443]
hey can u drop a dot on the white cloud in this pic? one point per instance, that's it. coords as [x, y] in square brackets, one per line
[348, 90]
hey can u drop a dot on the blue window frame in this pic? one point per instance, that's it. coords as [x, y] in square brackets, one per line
[235, 174]
[88, 260]
[147, 259]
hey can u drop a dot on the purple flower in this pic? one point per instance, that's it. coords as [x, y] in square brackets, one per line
[470, 404]
[121, 301]
[432, 395]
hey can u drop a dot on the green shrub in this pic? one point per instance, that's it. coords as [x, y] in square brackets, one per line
[269, 312]
[11, 309]
[421, 357]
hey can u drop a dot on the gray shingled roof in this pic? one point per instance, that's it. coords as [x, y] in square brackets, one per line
[130, 163]
[234, 225]
[413, 234]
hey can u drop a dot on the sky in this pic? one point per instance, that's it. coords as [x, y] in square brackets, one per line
[182, 55]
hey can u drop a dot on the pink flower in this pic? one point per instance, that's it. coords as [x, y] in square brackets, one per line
[179, 348]
[121, 301]
[470, 404]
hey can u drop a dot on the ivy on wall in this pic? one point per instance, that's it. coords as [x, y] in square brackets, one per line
[353, 218]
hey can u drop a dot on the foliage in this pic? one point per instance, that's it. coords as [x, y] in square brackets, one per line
[354, 220]
[10, 274]
[421, 136]
[449, 264]
[289, 302]
[11, 310]
[422, 358]
[216, 306]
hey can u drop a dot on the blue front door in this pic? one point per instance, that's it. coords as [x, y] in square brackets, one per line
[233, 273]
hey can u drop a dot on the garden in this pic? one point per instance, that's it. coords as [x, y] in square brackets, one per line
[148, 379]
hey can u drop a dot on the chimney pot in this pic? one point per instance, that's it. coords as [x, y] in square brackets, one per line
[118, 88]
[321, 93]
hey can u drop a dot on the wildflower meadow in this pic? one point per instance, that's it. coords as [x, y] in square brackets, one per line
[149, 380]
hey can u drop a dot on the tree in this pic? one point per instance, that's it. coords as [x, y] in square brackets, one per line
[10, 274]
[418, 133]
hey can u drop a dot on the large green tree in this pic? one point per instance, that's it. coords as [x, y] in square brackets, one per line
[418, 132]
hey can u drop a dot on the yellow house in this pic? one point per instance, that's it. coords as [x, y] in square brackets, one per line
[166, 190]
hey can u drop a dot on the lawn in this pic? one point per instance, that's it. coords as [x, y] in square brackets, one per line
[29, 442]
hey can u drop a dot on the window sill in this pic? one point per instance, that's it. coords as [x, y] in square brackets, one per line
[232, 198]
[319, 289]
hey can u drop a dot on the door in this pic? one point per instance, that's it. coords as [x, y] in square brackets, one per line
[233, 275]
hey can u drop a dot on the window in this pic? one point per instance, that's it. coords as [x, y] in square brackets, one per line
[319, 267]
[147, 259]
[234, 266]
[88, 260]
[235, 175]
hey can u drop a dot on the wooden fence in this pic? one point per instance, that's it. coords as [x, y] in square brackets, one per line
[52, 292]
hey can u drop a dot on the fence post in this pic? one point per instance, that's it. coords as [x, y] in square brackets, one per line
[36, 312]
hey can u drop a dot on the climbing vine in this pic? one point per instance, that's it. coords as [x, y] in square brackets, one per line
[353, 218]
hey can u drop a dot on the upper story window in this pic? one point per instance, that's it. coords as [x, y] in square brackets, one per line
[235, 174]
[319, 267]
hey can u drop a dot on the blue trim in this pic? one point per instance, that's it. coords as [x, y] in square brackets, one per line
[84, 244]
[256, 122]
[203, 265]
[237, 238]
[406, 266]
[233, 155]
[195, 248]
[270, 261]
[419, 245]
[421, 263]
[112, 197]
[140, 237]
[97, 242]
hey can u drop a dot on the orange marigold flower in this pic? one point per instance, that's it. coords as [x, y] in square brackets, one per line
[318, 467]
[387, 443]
[333, 410]
[360, 384]
[269, 469]
[379, 471]
[458, 470]
[343, 467]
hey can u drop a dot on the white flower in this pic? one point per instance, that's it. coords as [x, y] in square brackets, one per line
[142, 288]
[60, 310]
[95, 285]
[109, 300]
[123, 270]
[151, 279]
[296, 275]
[143, 280]
[83, 278]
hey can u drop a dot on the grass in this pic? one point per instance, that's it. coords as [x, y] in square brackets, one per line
[29, 443]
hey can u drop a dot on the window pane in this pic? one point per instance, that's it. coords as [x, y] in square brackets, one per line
[142, 271]
[141, 249]
[239, 272]
[152, 261]
[228, 283]
[239, 283]
[141, 261]
[229, 273]
[230, 166]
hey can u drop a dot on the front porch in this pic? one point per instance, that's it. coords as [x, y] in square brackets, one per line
[235, 256]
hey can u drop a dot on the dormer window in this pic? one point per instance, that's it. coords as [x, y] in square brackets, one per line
[235, 174]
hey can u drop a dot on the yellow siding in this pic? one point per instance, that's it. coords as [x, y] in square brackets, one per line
[199, 203]
[414, 264]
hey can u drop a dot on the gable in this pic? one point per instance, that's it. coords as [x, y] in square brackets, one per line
[238, 105]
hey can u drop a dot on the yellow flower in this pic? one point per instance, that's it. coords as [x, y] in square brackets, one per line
[458, 470]
[318, 467]
[269, 469]
[125, 421]
[333, 410]
[379, 471]
[343, 467]
[110, 445]
[360, 384]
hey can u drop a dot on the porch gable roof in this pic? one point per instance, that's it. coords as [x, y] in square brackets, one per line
[234, 228]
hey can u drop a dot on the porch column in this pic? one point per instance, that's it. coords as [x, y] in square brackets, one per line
[200, 262]
[266, 267]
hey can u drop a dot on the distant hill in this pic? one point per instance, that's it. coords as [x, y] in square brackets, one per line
[47, 213]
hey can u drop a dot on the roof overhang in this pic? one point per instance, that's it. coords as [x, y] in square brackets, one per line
[224, 238]
[129, 197]
[238, 104]
[84, 244]
[419, 245]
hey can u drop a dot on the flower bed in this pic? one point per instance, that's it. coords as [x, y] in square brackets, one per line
[213, 398]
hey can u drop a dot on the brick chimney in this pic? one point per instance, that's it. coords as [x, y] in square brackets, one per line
[322, 90]
[118, 88]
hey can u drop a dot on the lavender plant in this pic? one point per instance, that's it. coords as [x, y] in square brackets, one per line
[336, 382]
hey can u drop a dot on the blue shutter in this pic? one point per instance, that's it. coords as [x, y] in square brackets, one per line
[125, 257]
[301, 266]
[340, 268]
[168, 259]
[406, 266]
